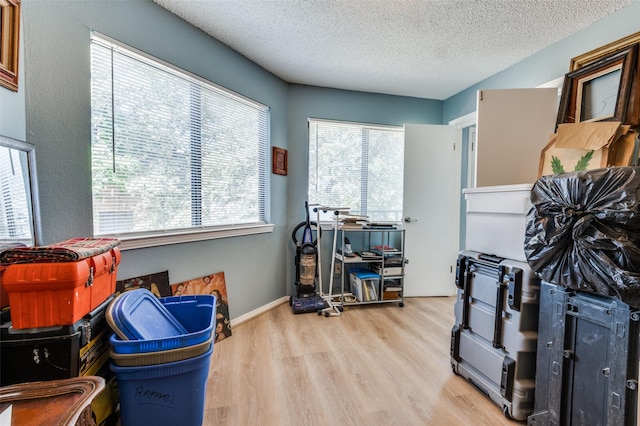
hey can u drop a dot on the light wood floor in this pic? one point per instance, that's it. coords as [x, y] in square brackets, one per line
[374, 365]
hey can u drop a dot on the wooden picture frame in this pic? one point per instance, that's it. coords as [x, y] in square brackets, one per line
[594, 93]
[9, 43]
[279, 161]
[615, 74]
[599, 53]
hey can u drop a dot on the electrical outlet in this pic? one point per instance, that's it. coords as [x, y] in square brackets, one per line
[337, 270]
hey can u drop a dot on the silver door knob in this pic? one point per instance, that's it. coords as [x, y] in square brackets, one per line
[409, 220]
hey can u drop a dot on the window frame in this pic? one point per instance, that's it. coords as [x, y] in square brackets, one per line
[134, 240]
[32, 190]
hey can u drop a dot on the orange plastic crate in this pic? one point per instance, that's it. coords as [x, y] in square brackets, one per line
[59, 293]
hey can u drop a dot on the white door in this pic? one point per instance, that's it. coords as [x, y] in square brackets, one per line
[432, 174]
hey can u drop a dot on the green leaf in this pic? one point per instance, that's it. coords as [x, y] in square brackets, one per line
[583, 162]
[556, 165]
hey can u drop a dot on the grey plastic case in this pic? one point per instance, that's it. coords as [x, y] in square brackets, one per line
[494, 339]
[587, 360]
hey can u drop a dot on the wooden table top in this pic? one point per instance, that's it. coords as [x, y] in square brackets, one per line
[54, 402]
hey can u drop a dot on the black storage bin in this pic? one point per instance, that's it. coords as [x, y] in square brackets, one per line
[28, 355]
[587, 360]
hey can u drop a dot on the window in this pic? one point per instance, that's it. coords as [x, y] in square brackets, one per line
[359, 166]
[171, 152]
[16, 220]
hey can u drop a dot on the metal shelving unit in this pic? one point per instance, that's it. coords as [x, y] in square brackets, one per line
[389, 265]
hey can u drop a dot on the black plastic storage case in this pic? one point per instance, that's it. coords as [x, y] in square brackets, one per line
[494, 339]
[60, 352]
[587, 360]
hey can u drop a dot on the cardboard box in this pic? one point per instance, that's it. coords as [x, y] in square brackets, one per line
[587, 146]
[364, 284]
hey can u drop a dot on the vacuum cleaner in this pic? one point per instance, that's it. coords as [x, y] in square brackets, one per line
[306, 298]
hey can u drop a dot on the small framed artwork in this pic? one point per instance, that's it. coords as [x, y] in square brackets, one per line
[216, 285]
[157, 283]
[9, 43]
[600, 90]
[279, 160]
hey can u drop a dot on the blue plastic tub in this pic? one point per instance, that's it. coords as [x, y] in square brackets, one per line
[163, 394]
[138, 315]
[196, 313]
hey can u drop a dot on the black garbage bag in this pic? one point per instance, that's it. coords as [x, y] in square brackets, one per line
[583, 231]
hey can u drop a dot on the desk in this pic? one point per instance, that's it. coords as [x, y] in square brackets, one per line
[65, 402]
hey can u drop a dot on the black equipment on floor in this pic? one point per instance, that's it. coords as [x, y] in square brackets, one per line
[587, 361]
[306, 298]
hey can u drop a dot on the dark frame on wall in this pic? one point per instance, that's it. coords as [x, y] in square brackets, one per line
[619, 67]
[279, 161]
[9, 43]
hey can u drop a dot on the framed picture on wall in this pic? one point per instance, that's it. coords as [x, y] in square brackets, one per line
[279, 160]
[600, 90]
[9, 43]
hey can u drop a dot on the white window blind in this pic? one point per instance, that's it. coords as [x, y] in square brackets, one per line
[170, 151]
[359, 166]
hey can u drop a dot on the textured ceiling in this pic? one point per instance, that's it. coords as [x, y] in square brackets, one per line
[422, 48]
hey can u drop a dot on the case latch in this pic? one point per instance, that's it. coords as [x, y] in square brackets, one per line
[90, 279]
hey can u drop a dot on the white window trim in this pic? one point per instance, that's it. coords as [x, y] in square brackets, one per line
[355, 123]
[130, 242]
[33, 181]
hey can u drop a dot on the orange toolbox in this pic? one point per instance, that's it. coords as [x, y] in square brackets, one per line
[46, 287]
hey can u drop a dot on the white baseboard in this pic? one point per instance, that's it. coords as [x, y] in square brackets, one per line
[249, 315]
